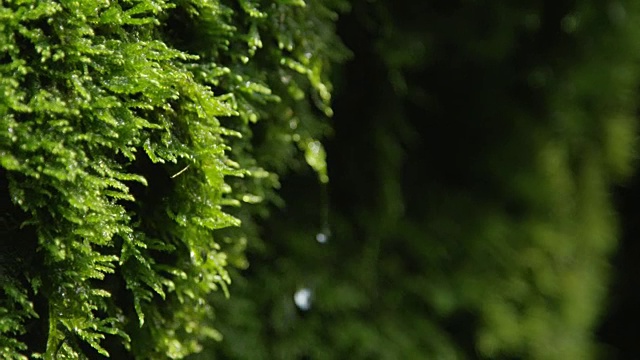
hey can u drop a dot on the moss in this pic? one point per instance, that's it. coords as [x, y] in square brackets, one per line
[120, 134]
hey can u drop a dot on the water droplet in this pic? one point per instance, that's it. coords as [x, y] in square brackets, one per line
[251, 199]
[315, 147]
[302, 298]
[322, 238]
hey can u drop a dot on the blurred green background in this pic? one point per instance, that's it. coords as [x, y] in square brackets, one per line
[480, 177]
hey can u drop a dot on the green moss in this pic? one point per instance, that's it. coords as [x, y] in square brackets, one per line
[112, 146]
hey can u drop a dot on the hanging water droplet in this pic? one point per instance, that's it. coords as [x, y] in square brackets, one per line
[315, 147]
[302, 298]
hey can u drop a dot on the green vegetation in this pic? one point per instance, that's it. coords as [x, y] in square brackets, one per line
[117, 169]
[165, 190]
[474, 151]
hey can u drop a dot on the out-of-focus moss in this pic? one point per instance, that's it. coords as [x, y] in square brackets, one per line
[475, 145]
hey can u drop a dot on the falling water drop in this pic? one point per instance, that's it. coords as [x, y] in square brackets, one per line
[322, 238]
[302, 298]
